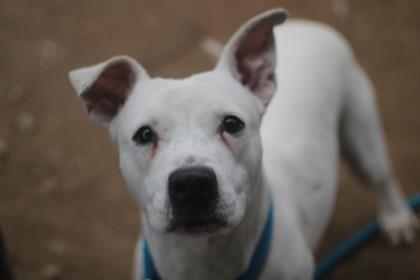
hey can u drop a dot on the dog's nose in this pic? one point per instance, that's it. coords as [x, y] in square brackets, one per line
[192, 187]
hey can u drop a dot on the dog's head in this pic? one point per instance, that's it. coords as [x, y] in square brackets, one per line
[189, 149]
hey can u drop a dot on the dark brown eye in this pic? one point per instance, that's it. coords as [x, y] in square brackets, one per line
[232, 124]
[145, 135]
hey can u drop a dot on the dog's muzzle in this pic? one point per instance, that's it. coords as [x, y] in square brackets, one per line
[193, 195]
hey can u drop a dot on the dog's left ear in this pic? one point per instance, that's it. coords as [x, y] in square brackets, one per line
[250, 54]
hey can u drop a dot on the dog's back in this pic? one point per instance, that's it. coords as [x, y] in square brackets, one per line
[324, 102]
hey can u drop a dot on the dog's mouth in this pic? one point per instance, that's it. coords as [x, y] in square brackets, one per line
[197, 226]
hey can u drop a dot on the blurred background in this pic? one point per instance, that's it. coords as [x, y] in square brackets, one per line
[64, 209]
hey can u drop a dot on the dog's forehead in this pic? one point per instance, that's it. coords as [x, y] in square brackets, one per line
[202, 93]
[200, 89]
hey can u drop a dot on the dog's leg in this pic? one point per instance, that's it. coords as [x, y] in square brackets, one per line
[364, 145]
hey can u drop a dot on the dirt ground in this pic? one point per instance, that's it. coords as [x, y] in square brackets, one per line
[63, 206]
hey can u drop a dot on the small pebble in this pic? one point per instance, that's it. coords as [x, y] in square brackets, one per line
[76, 163]
[51, 272]
[49, 49]
[16, 94]
[341, 8]
[48, 185]
[212, 47]
[25, 124]
[57, 246]
[54, 155]
[41, 169]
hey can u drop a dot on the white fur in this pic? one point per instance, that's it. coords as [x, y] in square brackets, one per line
[322, 98]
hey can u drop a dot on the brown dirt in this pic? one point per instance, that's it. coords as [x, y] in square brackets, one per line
[63, 206]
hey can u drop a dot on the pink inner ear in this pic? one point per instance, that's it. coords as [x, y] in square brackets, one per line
[250, 54]
[108, 93]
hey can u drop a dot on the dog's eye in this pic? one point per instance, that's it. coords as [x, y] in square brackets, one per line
[232, 124]
[144, 135]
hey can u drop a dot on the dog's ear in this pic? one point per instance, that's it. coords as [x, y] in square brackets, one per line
[105, 87]
[250, 56]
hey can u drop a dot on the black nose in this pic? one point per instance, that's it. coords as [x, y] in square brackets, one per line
[192, 188]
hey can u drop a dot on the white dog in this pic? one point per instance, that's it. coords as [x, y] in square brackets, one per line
[226, 193]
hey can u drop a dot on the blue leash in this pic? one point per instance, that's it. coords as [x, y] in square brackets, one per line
[353, 243]
[260, 255]
[324, 267]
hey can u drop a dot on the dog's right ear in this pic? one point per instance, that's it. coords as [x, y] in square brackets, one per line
[105, 87]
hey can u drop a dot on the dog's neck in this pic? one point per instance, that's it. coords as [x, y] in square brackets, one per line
[223, 255]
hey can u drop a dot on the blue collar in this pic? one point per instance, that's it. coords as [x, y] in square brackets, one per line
[256, 264]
